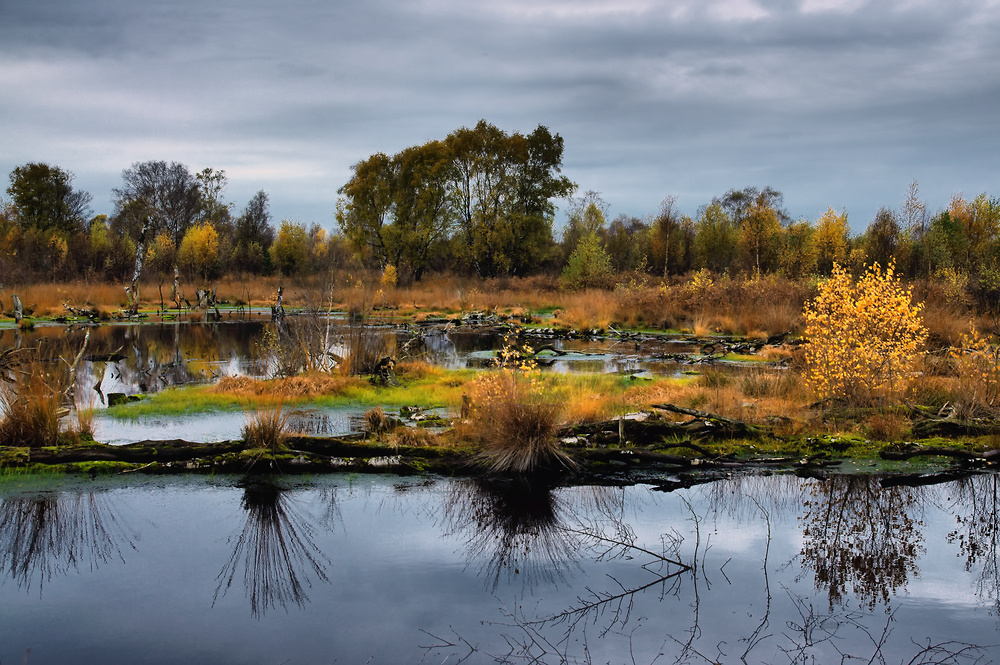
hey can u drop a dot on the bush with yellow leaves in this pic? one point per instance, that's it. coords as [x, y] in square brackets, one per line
[863, 337]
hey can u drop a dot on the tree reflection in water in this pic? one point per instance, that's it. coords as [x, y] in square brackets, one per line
[275, 550]
[976, 502]
[515, 525]
[46, 535]
[860, 539]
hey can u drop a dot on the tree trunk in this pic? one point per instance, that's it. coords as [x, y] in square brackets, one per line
[140, 255]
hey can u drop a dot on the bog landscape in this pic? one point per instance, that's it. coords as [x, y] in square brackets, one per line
[737, 437]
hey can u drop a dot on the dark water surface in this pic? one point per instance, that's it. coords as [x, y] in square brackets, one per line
[381, 569]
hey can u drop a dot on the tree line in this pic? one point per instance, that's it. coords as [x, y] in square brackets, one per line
[480, 201]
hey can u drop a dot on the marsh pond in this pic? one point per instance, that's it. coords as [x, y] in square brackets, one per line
[695, 566]
[384, 569]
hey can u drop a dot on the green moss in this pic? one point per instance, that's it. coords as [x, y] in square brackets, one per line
[100, 468]
[178, 401]
[18, 456]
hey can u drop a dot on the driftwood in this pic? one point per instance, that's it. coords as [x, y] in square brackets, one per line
[277, 309]
[87, 312]
[713, 425]
[18, 308]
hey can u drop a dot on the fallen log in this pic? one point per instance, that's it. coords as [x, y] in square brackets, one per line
[713, 424]
[948, 427]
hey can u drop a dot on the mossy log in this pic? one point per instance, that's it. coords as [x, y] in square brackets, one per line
[952, 427]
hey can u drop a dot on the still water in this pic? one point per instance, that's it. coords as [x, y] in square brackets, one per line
[382, 569]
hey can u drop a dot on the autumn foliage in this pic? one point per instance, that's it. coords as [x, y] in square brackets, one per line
[863, 337]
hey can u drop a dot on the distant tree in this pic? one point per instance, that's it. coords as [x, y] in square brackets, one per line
[589, 266]
[161, 257]
[627, 243]
[671, 240]
[716, 238]
[42, 197]
[291, 248]
[740, 203]
[882, 238]
[585, 215]
[167, 195]
[980, 222]
[913, 213]
[760, 237]
[199, 250]
[831, 240]
[798, 251]
[211, 186]
[502, 187]
[253, 235]
[945, 245]
[364, 211]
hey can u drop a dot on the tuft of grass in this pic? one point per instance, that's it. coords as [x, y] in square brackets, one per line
[377, 422]
[515, 425]
[414, 437]
[266, 427]
[886, 427]
[31, 409]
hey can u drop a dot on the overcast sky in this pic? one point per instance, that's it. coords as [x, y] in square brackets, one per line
[836, 103]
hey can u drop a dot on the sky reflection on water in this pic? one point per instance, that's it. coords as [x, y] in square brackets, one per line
[352, 568]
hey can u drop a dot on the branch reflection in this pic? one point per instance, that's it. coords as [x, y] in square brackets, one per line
[275, 550]
[46, 535]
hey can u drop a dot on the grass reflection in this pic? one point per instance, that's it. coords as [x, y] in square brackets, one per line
[275, 550]
[47, 535]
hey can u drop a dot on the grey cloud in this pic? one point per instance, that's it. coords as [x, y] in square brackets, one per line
[837, 108]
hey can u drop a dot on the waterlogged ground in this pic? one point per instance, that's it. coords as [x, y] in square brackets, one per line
[142, 359]
[349, 569]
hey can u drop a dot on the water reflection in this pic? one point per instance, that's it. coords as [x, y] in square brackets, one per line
[47, 535]
[976, 502]
[860, 539]
[515, 526]
[275, 550]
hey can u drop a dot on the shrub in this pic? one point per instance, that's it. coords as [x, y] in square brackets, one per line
[266, 427]
[589, 266]
[513, 419]
[862, 337]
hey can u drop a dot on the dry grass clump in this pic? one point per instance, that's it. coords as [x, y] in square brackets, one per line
[588, 406]
[514, 417]
[31, 408]
[417, 369]
[377, 422]
[266, 427]
[760, 383]
[414, 437]
[515, 425]
[589, 309]
[886, 427]
[946, 323]
[301, 386]
[366, 347]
